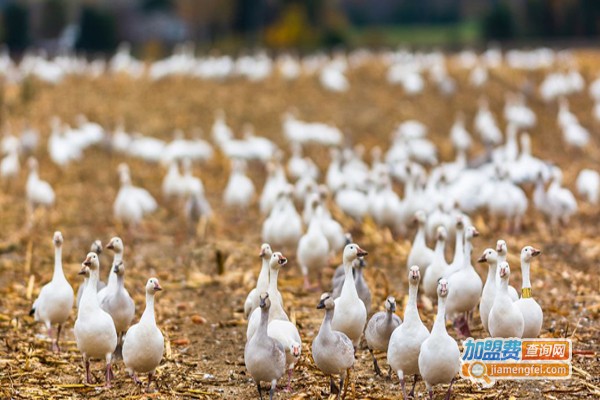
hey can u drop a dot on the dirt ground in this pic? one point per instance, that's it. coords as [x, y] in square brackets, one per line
[206, 278]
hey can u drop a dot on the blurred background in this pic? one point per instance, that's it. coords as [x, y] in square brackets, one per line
[153, 27]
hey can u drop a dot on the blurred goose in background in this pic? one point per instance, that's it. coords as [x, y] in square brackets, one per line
[460, 137]
[332, 350]
[298, 166]
[53, 304]
[239, 192]
[380, 328]
[10, 166]
[438, 266]
[143, 345]
[313, 251]
[132, 202]
[420, 254]
[588, 185]
[557, 202]
[38, 192]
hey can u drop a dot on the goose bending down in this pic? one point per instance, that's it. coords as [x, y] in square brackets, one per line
[143, 345]
[55, 300]
[463, 301]
[506, 319]
[286, 333]
[264, 356]
[439, 359]
[380, 328]
[351, 314]
[276, 309]
[533, 316]
[118, 303]
[313, 250]
[406, 340]
[262, 283]
[332, 350]
[438, 265]
[95, 331]
[420, 254]
[96, 247]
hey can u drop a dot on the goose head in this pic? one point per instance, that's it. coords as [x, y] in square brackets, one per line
[504, 270]
[441, 234]
[471, 232]
[414, 275]
[115, 244]
[352, 251]
[91, 261]
[119, 268]
[501, 248]
[265, 251]
[442, 288]
[295, 349]
[96, 247]
[152, 286]
[420, 217]
[326, 302]
[460, 223]
[265, 302]
[58, 239]
[277, 260]
[390, 304]
[489, 256]
[529, 252]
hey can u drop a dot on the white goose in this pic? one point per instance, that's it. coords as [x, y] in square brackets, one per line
[118, 303]
[502, 250]
[332, 350]
[379, 329]
[439, 359]
[438, 265]
[351, 314]
[313, 250]
[55, 300]
[505, 320]
[286, 333]
[463, 301]
[95, 331]
[533, 316]
[239, 192]
[406, 340]
[96, 247]
[588, 185]
[490, 256]
[262, 283]
[38, 192]
[420, 254]
[143, 345]
[132, 202]
[276, 309]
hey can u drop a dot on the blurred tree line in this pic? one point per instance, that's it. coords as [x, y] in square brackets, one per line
[98, 25]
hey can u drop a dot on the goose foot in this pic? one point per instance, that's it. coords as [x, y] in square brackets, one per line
[133, 376]
[375, 365]
[150, 376]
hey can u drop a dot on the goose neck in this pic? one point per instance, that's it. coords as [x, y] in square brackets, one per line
[525, 266]
[262, 283]
[411, 313]
[440, 320]
[440, 246]
[349, 287]
[491, 276]
[58, 268]
[273, 276]
[148, 316]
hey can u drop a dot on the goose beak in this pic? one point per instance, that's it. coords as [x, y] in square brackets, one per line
[296, 351]
[263, 302]
[499, 248]
[361, 253]
[87, 262]
[536, 252]
[110, 246]
[482, 259]
[262, 253]
[475, 232]
[116, 268]
[282, 260]
[157, 286]
[82, 270]
[321, 304]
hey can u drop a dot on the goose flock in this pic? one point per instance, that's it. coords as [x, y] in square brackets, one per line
[319, 184]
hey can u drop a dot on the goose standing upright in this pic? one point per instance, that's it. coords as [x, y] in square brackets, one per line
[420, 254]
[459, 253]
[439, 359]
[262, 283]
[502, 250]
[55, 300]
[276, 309]
[533, 316]
[239, 192]
[313, 250]
[380, 328]
[116, 245]
[489, 289]
[96, 247]
[38, 192]
[95, 331]
[132, 202]
[143, 345]
[506, 319]
[463, 301]
[438, 265]
[264, 356]
[351, 314]
[332, 350]
[406, 340]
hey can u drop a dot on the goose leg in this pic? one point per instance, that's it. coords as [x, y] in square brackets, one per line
[333, 389]
[259, 391]
[273, 387]
[289, 385]
[88, 377]
[375, 365]
[58, 337]
[343, 386]
[134, 377]
[402, 384]
[449, 390]
[389, 377]
[108, 369]
[149, 380]
[429, 390]
[118, 354]
[412, 391]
